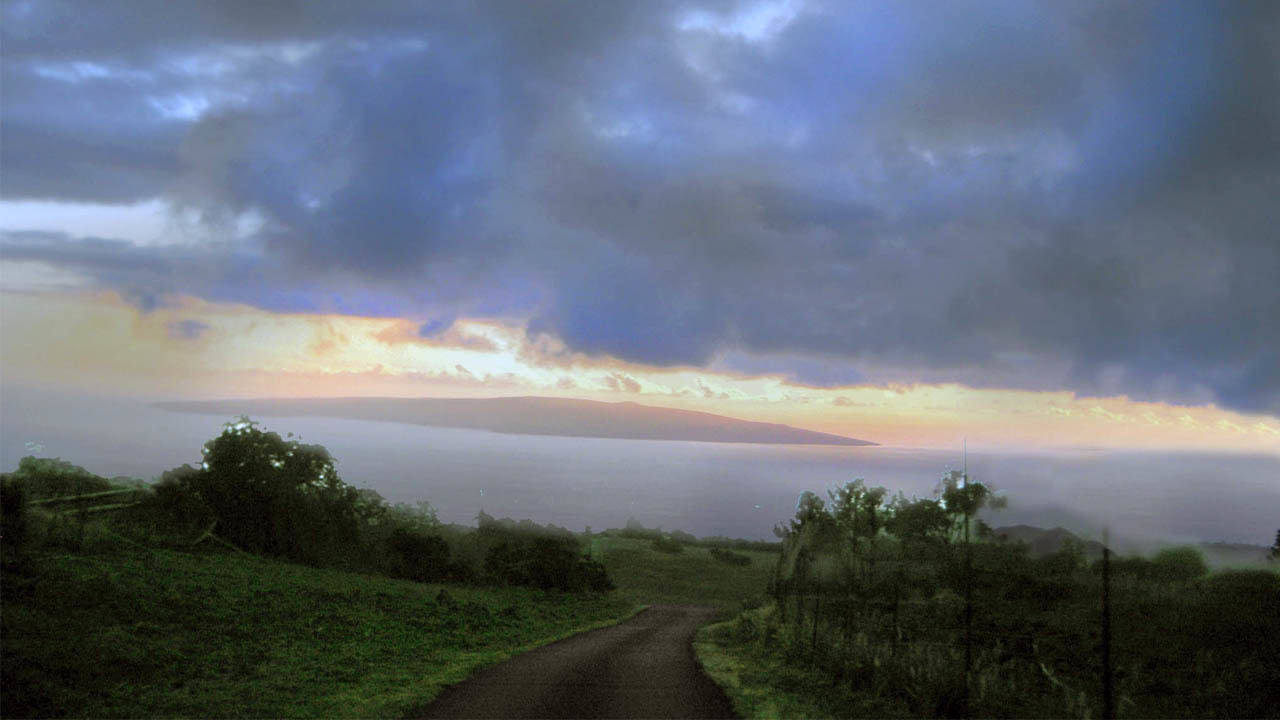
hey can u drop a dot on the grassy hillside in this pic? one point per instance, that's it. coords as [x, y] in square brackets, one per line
[160, 633]
[109, 611]
[692, 575]
[146, 633]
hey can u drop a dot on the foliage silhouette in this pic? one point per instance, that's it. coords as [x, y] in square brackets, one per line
[730, 557]
[668, 545]
[544, 557]
[880, 604]
[276, 496]
[1179, 564]
[15, 523]
[41, 478]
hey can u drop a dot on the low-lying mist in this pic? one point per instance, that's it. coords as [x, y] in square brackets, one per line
[735, 490]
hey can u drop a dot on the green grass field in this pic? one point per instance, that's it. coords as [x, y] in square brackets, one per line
[692, 576]
[167, 634]
[763, 685]
[101, 620]
[149, 633]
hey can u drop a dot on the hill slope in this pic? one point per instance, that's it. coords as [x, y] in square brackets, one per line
[1042, 542]
[530, 416]
[167, 634]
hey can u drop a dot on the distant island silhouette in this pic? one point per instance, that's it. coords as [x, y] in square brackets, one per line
[529, 416]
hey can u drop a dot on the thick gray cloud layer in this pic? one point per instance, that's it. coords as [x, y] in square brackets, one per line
[1018, 195]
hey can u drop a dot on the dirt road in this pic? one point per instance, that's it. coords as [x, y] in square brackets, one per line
[642, 668]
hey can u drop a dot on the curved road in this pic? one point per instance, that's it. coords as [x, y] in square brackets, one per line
[642, 668]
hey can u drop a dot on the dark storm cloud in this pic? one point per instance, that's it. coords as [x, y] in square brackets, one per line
[1014, 195]
[70, 134]
[147, 276]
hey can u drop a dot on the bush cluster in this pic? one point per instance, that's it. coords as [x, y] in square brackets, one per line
[667, 545]
[261, 493]
[904, 607]
[636, 531]
[48, 501]
[730, 557]
[545, 557]
[41, 478]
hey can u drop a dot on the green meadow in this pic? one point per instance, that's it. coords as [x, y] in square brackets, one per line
[129, 599]
[138, 632]
[114, 607]
[690, 576]
[155, 633]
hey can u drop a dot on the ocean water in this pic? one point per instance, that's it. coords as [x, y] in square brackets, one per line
[736, 490]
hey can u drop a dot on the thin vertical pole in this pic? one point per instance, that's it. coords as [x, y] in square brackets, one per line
[813, 643]
[897, 630]
[968, 588]
[1108, 706]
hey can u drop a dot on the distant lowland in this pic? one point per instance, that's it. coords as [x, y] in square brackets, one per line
[529, 416]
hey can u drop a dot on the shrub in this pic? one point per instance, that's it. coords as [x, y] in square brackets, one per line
[683, 537]
[546, 563]
[667, 545]
[1249, 588]
[729, 557]
[636, 531]
[172, 513]
[1179, 564]
[15, 522]
[416, 556]
[53, 477]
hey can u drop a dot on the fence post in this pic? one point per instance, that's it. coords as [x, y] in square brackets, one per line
[968, 597]
[897, 631]
[817, 606]
[1108, 706]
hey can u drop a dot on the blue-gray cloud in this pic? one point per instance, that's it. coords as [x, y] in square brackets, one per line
[1028, 195]
[186, 329]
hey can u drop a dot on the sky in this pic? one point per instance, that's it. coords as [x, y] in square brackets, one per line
[1026, 224]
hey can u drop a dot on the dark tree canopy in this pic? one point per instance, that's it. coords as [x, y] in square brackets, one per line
[277, 496]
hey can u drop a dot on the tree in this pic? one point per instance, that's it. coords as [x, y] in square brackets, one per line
[859, 515]
[1274, 555]
[857, 510]
[1179, 564]
[415, 556]
[962, 498]
[54, 477]
[277, 496]
[810, 511]
[919, 520]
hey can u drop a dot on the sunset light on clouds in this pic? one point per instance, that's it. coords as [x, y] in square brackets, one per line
[895, 358]
[196, 350]
[1032, 225]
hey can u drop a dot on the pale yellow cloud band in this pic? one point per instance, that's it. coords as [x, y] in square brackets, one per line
[99, 344]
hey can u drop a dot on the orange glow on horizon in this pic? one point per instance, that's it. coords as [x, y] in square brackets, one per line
[88, 343]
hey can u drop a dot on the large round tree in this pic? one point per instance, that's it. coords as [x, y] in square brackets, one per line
[276, 496]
